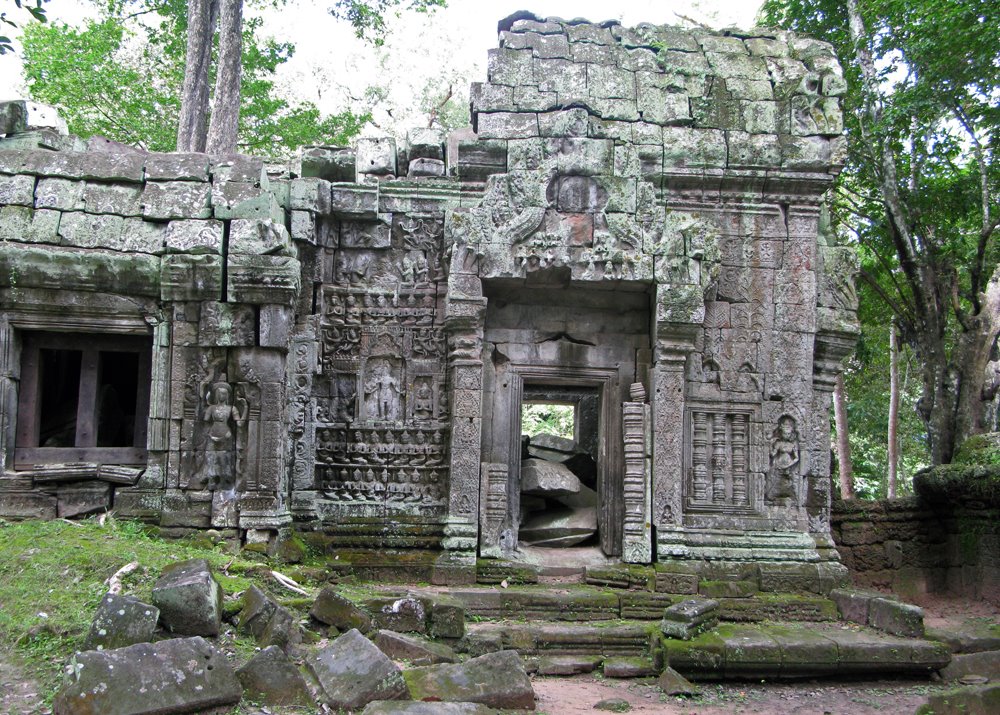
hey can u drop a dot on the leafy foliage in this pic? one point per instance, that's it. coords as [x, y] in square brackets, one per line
[120, 76]
[552, 419]
[36, 11]
[919, 188]
[368, 16]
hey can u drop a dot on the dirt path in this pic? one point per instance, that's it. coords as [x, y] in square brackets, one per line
[18, 693]
[577, 695]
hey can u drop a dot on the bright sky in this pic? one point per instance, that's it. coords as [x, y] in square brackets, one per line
[331, 66]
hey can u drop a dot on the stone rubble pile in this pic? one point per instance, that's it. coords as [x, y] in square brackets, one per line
[558, 501]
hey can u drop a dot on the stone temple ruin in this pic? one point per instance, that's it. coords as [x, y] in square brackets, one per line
[341, 346]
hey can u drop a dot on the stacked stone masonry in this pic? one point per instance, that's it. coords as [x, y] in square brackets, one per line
[914, 547]
[342, 343]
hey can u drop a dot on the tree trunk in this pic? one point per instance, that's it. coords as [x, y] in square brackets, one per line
[192, 125]
[224, 128]
[892, 440]
[845, 468]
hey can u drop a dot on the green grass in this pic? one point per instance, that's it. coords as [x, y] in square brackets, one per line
[53, 573]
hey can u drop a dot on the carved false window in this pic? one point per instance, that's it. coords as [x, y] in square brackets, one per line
[718, 474]
[83, 398]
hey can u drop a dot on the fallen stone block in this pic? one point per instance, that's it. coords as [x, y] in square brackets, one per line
[189, 599]
[282, 630]
[495, 679]
[900, 619]
[447, 618]
[121, 621]
[613, 705]
[568, 664]
[545, 478]
[982, 700]
[852, 604]
[985, 663]
[257, 610]
[559, 526]
[270, 678]
[403, 615]
[416, 650]
[627, 667]
[353, 672]
[673, 683]
[690, 617]
[183, 675]
[402, 707]
[334, 610]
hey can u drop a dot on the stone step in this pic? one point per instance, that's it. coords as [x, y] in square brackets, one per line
[728, 652]
[631, 638]
[582, 603]
[799, 650]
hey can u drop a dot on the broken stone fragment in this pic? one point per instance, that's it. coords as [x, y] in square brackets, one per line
[559, 526]
[272, 679]
[447, 618]
[673, 683]
[13, 117]
[189, 599]
[403, 615]
[121, 621]
[257, 610]
[282, 630]
[495, 679]
[181, 675]
[400, 707]
[628, 667]
[422, 168]
[414, 649]
[690, 617]
[328, 162]
[353, 672]
[334, 610]
[549, 479]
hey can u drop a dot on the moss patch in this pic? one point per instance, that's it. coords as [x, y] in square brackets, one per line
[53, 574]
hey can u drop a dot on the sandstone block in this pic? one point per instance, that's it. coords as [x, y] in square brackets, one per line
[121, 621]
[416, 650]
[272, 679]
[189, 598]
[353, 672]
[334, 610]
[495, 679]
[182, 675]
[545, 478]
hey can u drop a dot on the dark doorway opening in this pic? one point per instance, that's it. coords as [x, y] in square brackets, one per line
[559, 466]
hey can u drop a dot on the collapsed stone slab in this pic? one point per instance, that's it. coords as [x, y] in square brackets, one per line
[495, 679]
[353, 672]
[545, 478]
[272, 679]
[334, 610]
[189, 599]
[415, 650]
[559, 526]
[182, 675]
[121, 621]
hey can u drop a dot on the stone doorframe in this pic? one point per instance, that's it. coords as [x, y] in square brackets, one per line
[610, 442]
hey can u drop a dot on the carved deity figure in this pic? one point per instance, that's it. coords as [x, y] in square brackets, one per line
[382, 393]
[221, 412]
[784, 461]
[423, 401]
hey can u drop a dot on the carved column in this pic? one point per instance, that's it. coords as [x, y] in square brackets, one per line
[10, 369]
[637, 528]
[465, 315]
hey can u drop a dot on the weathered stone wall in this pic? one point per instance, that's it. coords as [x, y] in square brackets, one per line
[914, 547]
[331, 339]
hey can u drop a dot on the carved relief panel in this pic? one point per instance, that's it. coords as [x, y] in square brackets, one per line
[380, 399]
[722, 473]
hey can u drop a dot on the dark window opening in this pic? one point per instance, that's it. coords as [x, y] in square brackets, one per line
[83, 398]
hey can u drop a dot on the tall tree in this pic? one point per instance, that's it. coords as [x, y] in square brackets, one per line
[892, 436]
[192, 124]
[121, 76]
[845, 467]
[921, 182]
[225, 122]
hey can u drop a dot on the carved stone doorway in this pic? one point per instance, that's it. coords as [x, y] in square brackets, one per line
[568, 343]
